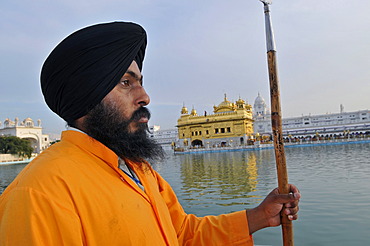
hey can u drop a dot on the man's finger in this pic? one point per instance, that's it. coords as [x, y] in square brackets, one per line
[287, 198]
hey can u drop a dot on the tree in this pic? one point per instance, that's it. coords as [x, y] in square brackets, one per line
[15, 146]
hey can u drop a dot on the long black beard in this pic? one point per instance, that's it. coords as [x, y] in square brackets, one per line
[105, 123]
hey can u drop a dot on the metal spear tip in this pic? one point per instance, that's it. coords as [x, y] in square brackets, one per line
[266, 1]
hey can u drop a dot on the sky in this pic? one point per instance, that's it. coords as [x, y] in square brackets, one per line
[198, 51]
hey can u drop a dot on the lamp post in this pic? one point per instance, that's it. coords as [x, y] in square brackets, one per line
[276, 122]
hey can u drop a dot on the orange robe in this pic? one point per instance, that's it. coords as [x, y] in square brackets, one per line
[75, 194]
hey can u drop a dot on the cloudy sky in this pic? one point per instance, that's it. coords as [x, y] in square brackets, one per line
[199, 50]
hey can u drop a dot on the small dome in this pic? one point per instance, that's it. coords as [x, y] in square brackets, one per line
[193, 112]
[259, 100]
[260, 106]
[240, 101]
[28, 122]
[184, 110]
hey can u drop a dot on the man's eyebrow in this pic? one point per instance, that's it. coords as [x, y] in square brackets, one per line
[135, 75]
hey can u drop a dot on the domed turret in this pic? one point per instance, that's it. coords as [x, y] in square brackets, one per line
[259, 99]
[225, 106]
[260, 107]
[184, 110]
[28, 122]
[8, 123]
[240, 104]
[193, 112]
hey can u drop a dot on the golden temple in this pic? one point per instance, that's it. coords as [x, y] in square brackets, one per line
[230, 124]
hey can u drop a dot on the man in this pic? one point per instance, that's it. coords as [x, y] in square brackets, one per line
[95, 186]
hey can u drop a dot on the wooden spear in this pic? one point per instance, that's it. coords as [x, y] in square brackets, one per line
[276, 123]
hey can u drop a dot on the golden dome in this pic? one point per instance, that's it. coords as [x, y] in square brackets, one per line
[241, 104]
[184, 110]
[224, 106]
[240, 101]
[193, 112]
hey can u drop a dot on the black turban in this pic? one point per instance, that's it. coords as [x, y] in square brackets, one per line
[88, 64]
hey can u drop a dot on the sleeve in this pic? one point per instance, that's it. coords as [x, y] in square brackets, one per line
[28, 217]
[225, 229]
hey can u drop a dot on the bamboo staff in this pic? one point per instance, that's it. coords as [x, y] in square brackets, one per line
[276, 123]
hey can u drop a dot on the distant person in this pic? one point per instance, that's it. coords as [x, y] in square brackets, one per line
[95, 186]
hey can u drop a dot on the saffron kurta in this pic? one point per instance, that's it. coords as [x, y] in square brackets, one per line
[75, 194]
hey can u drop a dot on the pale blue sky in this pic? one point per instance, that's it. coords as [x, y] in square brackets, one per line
[199, 50]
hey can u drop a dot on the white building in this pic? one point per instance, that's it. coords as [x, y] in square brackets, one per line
[261, 117]
[337, 123]
[166, 138]
[26, 130]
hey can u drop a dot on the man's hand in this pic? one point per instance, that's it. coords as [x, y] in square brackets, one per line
[267, 214]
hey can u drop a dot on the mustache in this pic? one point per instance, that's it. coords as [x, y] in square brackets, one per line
[140, 113]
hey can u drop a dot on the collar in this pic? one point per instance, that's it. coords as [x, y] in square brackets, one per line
[89, 144]
[71, 128]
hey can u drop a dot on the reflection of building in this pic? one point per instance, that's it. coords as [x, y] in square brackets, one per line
[230, 123]
[166, 138]
[337, 123]
[221, 178]
[26, 130]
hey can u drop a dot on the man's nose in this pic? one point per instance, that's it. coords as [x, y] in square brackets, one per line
[143, 98]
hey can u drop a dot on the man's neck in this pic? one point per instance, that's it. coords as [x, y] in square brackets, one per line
[75, 129]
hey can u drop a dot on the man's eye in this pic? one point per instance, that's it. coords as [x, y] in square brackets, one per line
[125, 83]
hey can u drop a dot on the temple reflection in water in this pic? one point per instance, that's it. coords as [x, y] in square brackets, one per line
[224, 179]
[222, 182]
